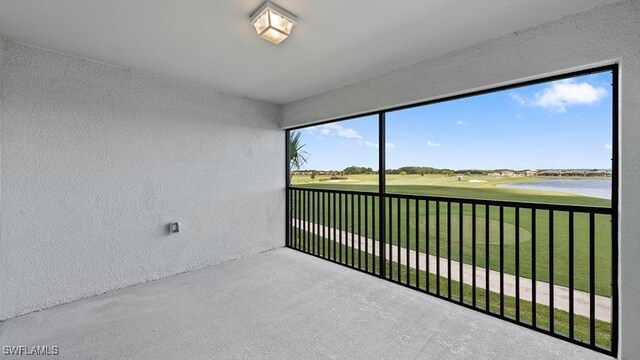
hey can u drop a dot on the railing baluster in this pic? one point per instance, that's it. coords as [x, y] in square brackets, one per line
[427, 241]
[294, 218]
[309, 223]
[319, 236]
[333, 215]
[398, 239]
[366, 233]
[353, 228]
[341, 248]
[407, 234]
[346, 230]
[288, 219]
[449, 249]
[294, 211]
[316, 229]
[417, 245]
[373, 233]
[301, 212]
[487, 266]
[300, 216]
[306, 222]
[312, 223]
[571, 310]
[460, 250]
[438, 247]
[551, 273]
[592, 279]
[359, 232]
[382, 234]
[390, 238]
[473, 254]
[534, 282]
[501, 220]
[324, 225]
[517, 234]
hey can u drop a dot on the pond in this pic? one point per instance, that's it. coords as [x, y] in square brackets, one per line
[600, 188]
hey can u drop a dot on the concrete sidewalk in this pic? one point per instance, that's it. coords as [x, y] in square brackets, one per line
[561, 294]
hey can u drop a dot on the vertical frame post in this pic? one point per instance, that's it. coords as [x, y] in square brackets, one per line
[287, 167]
[382, 189]
[615, 73]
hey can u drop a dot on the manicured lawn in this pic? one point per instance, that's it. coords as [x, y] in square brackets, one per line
[561, 318]
[424, 217]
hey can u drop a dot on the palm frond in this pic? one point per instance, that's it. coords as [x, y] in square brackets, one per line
[297, 156]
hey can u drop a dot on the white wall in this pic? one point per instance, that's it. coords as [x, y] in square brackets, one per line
[96, 160]
[599, 36]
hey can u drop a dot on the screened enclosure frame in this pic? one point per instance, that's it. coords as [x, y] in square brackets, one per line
[383, 194]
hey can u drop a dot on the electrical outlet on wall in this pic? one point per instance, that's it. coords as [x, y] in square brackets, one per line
[174, 227]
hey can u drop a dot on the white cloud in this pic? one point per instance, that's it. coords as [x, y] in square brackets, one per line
[608, 146]
[334, 130]
[339, 130]
[563, 93]
[432, 144]
[461, 124]
[390, 145]
[519, 99]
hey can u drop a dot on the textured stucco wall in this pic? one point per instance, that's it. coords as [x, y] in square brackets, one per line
[96, 160]
[3, 249]
[599, 36]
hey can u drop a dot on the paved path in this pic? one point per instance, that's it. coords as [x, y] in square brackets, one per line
[561, 294]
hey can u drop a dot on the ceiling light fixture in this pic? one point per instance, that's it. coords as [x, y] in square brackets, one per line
[272, 22]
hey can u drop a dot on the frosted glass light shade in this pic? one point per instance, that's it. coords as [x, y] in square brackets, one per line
[272, 22]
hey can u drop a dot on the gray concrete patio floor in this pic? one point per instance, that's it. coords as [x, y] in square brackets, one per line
[277, 305]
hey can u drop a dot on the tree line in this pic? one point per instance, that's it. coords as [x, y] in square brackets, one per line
[404, 170]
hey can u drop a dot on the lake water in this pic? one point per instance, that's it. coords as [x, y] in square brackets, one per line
[600, 188]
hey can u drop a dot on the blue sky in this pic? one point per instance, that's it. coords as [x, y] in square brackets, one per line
[561, 124]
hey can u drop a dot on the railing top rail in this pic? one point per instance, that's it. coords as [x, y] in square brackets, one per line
[506, 203]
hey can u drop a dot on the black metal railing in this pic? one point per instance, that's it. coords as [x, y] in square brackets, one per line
[544, 266]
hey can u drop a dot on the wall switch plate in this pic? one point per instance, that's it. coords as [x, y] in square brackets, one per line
[174, 227]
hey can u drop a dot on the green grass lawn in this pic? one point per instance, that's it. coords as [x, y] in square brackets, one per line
[366, 262]
[438, 185]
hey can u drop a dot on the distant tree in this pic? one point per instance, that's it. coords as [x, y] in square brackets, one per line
[313, 176]
[403, 173]
[355, 170]
[421, 173]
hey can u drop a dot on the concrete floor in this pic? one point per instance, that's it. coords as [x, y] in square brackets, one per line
[277, 305]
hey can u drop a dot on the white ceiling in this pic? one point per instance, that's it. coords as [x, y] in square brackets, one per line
[211, 43]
